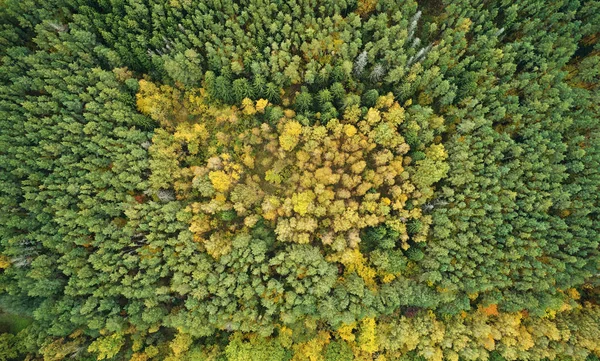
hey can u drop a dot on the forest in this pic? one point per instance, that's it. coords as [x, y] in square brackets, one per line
[300, 180]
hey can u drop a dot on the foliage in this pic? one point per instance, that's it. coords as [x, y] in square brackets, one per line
[299, 180]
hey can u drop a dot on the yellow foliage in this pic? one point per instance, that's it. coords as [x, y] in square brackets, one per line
[489, 343]
[524, 339]
[573, 294]
[436, 122]
[248, 107]
[165, 104]
[289, 113]
[394, 114]
[436, 152]
[195, 104]
[303, 201]
[189, 132]
[269, 207]
[385, 101]
[139, 356]
[367, 341]
[311, 350]
[285, 336]
[356, 262]
[373, 116]
[248, 160]
[302, 156]
[136, 343]
[304, 181]
[218, 244]
[358, 167]
[473, 296]
[290, 136]
[325, 176]
[345, 332]
[352, 114]
[349, 130]
[107, 347]
[181, 343]
[152, 100]
[151, 351]
[171, 106]
[387, 278]
[365, 7]
[464, 24]
[261, 104]
[4, 262]
[272, 177]
[193, 134]
[220, 180]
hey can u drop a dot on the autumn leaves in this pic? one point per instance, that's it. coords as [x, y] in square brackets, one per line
[319, 183]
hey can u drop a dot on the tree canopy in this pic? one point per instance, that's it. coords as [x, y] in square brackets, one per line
[322, 180]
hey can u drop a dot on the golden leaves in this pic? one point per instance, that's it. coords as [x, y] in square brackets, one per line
[218, 244]
[303, 201]
[248, 107]
[261, 104]
[220, 180]
[290, 136]
[168, 105]
[345, 332]
[4, 262]
[311, 350]
[366, 340]
[349, 130]
[323, 181]
[356, 262]
[373, 116]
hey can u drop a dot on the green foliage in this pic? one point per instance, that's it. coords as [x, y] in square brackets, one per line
[9, 350]
[338, 351]
[256, 349]
[434, 166]
[370, 97]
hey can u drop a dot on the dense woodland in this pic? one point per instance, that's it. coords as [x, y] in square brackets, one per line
[322, 180]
